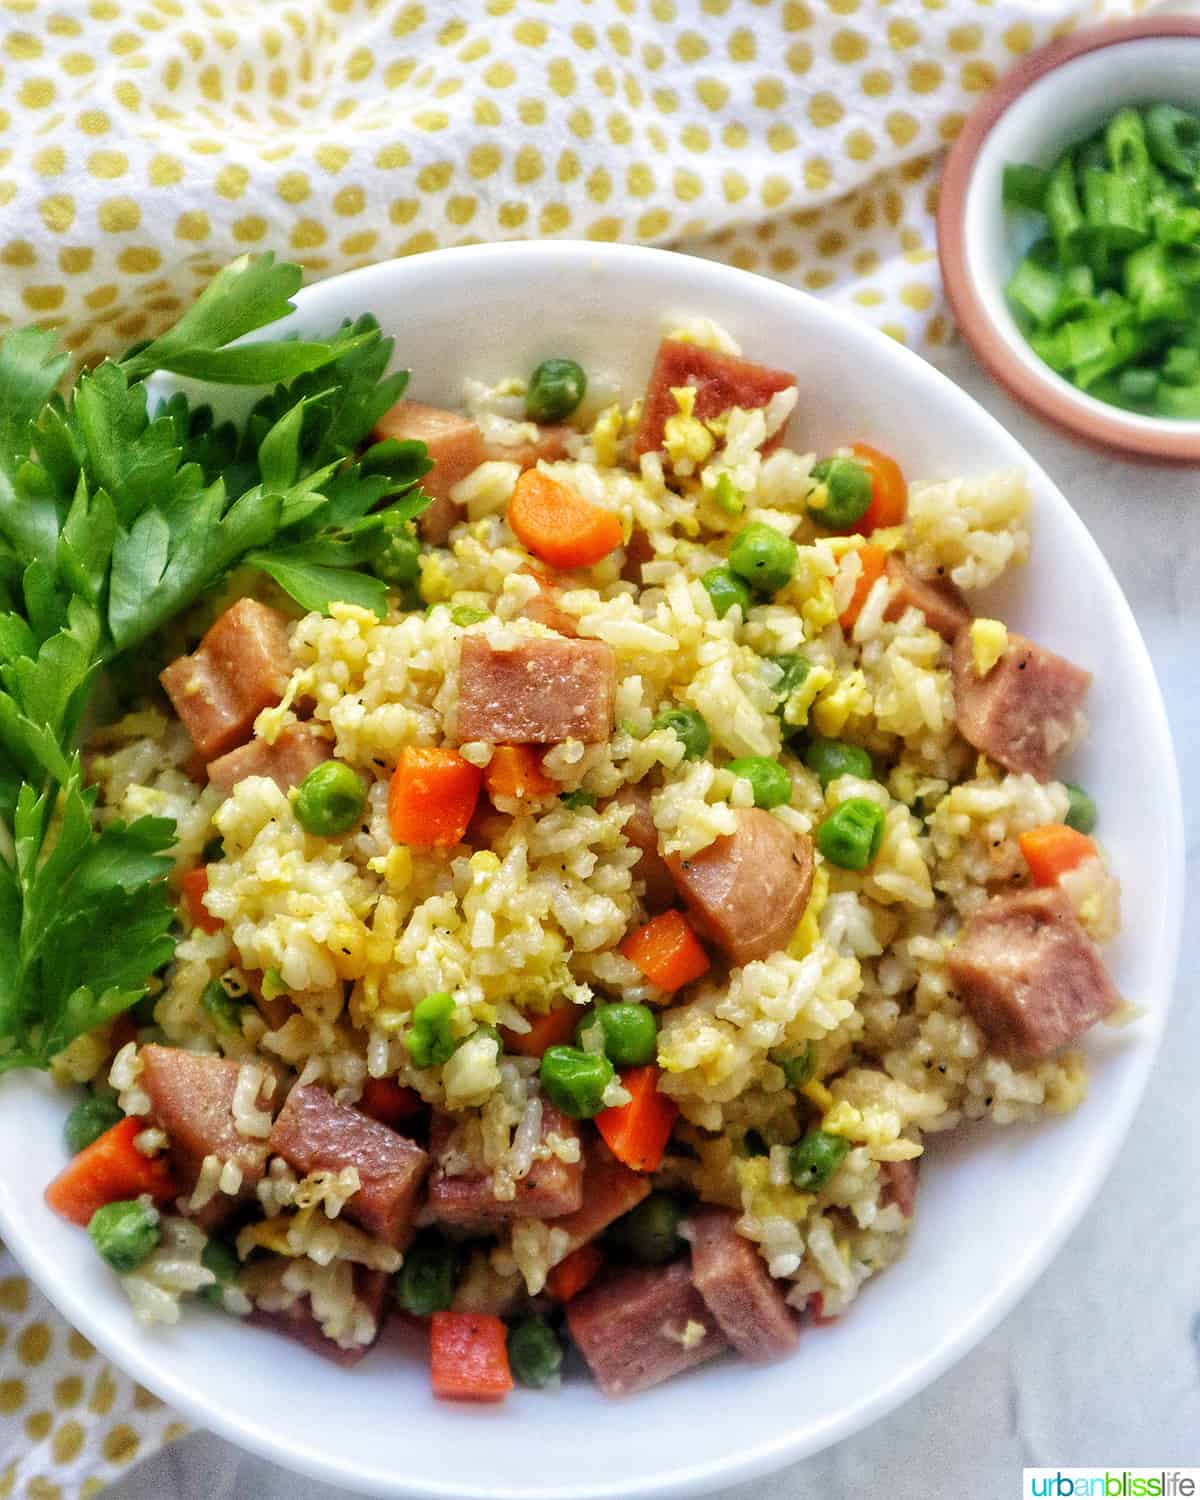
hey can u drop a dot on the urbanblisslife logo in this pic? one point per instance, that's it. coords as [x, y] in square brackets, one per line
[1113, 1484]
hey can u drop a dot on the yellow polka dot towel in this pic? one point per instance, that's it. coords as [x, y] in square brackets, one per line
[145, 142]
[69, 1422]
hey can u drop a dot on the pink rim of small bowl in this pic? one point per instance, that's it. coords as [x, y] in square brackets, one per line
[1021, 382]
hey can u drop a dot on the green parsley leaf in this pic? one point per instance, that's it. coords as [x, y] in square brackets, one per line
[118, 513]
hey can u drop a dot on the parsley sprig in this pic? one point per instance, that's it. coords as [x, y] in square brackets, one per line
[117, 512]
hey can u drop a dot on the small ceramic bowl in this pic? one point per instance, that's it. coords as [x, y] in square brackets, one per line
[1055, 97]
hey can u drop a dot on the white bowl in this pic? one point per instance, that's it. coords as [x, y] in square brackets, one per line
[994, 1204]
[1056, 97]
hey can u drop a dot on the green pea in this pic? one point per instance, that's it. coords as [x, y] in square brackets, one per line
[850, 837]
[771, 783]
[798, 1068]
[221, 1259]
[424, 1284]
[578, 798]
[431, 1039]
[814, 1159]
[124, 1233]
[467, 614]
[556, 388]
[847, 493]
[1081, 810]
[88, 1121]
[221, 1008]
[689, 726]
[764, 557]
[534, 1352]
[726, 589]
[574, 1081]
[649, 1233]
[628, 1031]
[330, 799]
[829, 759]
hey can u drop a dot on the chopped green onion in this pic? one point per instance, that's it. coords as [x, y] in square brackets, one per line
[1181, 365]
[1025, 186]
[1109, 298]
[1179, 401]
[1125, 137]
[727, 495]
[1136, 386]
[1035, 290]
[1062, 208]
[1173, 136]
[1078, 292]
[1151, 286]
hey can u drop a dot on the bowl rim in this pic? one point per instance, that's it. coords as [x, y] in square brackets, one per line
[682, 1476]
[1031, 390]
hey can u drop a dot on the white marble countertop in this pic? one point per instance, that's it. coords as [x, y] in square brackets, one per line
[1101, 1362]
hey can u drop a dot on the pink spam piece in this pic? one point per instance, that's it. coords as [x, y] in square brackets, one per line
[1029, 974]
[298, 750]
[719, 380]
[240, 667]
[298, 1322]
[747, 890]
[633, 1328]
[456, 445]
[651, 868]
[900, 1184]
[315, 1133]
[730, 1275]
[467, 1200]
[545, 609]
[1023, 713]
[610, 1190]
[943, 606]
[192, 1099]
[540, 692]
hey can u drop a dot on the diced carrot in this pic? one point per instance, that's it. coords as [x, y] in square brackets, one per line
[388, 1102]
[516, 771]
[432, 795]
[544, 1031]
[889, 492]
[558, 525]
[637, 1133]
[108, 1171]
[194, 886]
[468, 1357]
[873, 561]
[1053, 850]
[667, 951]
[570, 1276]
